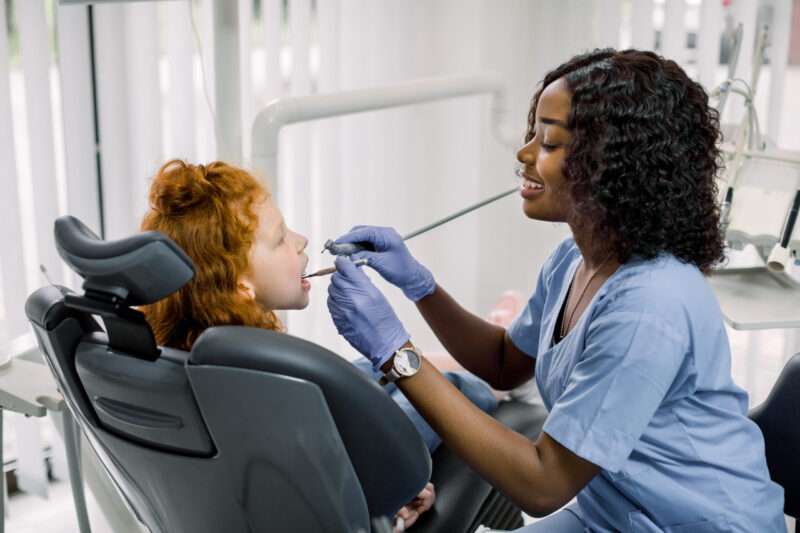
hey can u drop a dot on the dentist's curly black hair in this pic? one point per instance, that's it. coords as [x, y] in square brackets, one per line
[644, 156]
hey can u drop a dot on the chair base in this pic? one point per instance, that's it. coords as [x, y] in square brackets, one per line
[464, 500]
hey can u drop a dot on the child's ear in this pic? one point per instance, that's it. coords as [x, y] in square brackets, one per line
[246, 289]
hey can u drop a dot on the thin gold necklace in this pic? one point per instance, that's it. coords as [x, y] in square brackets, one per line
[565, 324]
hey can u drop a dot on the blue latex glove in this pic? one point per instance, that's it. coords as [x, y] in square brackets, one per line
[392, 260]
[362, 314]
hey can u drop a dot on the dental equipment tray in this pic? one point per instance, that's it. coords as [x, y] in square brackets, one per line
[756, 298]
[767, 185]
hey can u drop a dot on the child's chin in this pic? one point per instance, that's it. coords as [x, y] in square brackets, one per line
[297, 305]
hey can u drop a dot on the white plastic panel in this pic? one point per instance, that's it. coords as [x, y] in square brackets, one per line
[143, 103]
[673, 34]
[113, 120]
[300, 22]
[609, 19]
[271, 17]
[206, 93]
[35, 60]
[778, 53]
[642, 31]
[245, 67]
[12, 265]
[228, 98]
[708, 43]
[180, 44]
[74, 64]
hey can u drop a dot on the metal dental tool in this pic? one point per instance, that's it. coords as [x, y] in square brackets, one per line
[736, 45]
[725, 210]
[351, 248]
[331, 270]
[749, 129]
[779, 256]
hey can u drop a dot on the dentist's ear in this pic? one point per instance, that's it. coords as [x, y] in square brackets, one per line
[246, 289]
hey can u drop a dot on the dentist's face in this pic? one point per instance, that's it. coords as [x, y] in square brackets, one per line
[277, 260]
[542, 180]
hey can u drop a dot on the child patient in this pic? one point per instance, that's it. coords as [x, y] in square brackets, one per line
[248, 265]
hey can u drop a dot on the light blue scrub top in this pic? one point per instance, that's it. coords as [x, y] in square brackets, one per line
[642, 388]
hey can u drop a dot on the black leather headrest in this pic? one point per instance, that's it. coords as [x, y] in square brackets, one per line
[140, 269]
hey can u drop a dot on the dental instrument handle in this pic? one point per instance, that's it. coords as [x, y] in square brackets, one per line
[733, 59]
[347, 248]
[791, 218]
[458, 214]
[353, 247]
[331, 270]
[725, 209]
[780, 254]
[758, 59]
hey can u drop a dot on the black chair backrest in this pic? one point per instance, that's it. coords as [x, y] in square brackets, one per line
[779, 419]
[253, 430]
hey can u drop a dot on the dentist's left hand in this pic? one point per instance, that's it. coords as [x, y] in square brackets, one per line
[362, 314]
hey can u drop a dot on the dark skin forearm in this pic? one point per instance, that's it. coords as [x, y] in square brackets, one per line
[482, 348]
[540, 477]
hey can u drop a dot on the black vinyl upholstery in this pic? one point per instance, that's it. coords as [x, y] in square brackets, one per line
[464, 500]
[383, 445]
[197, 446]
[140, 269]
[779, 419]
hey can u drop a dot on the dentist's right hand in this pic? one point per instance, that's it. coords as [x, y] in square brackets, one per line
[392, 260]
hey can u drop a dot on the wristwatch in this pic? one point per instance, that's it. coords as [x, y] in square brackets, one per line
[406, 363]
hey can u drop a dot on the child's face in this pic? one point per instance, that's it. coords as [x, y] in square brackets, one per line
[277, 260]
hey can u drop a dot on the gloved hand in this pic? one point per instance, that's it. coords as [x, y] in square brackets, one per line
[392, 260]
[362, 314]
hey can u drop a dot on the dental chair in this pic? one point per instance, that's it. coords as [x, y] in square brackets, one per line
[779, 419]
[252, 430]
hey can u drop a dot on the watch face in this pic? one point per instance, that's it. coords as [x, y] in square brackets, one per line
[406, 363]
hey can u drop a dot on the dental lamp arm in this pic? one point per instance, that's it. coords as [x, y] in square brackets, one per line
[279, 113]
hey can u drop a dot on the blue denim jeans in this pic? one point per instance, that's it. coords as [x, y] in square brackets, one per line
[567, 520]
[474, 388]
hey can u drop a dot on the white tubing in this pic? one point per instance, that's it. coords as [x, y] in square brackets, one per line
[778, 258]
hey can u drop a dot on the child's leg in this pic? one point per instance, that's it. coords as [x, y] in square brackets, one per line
[567, 520]
[505, 310]
[470, 386]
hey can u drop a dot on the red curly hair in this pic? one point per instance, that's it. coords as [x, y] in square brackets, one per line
[208, 212]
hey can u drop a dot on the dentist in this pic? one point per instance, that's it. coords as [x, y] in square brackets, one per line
[622, 333]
